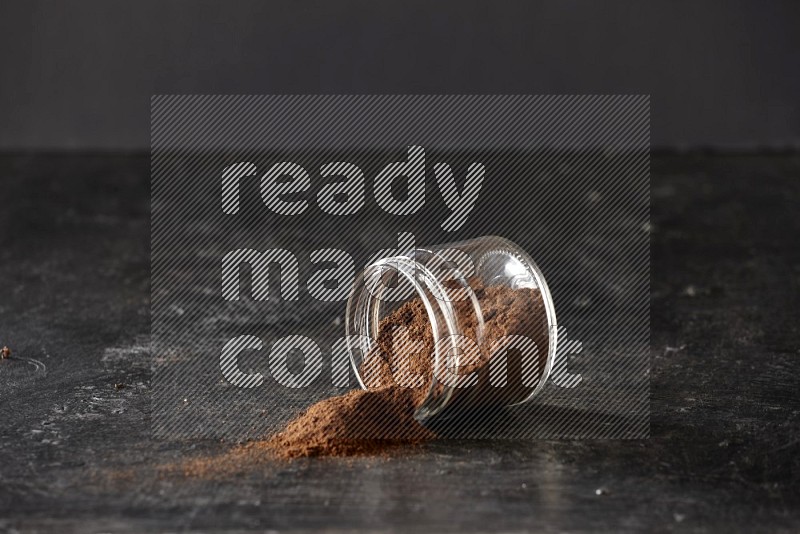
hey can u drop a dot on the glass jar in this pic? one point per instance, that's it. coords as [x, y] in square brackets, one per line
[466, 289]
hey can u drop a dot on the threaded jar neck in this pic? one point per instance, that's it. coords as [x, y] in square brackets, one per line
[447, 280]
[372, 291]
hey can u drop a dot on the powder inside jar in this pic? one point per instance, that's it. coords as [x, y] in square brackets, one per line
[399, 373]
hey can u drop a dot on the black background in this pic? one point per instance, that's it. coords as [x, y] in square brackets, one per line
[80, 74]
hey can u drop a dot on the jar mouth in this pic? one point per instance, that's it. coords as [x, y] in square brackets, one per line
[363, 316]
[504, 263]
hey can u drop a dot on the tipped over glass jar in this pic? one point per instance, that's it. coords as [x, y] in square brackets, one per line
[467, 324]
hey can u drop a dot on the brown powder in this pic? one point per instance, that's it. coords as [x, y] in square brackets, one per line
[381, 420]
[370, 421]
[358, 422]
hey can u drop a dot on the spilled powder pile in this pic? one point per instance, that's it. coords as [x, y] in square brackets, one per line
[381, 418]
[358, 422]
[373, 420]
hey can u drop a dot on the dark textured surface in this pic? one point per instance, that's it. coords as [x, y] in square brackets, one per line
[75, 452]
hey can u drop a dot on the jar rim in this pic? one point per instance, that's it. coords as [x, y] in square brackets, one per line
[363, 310]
